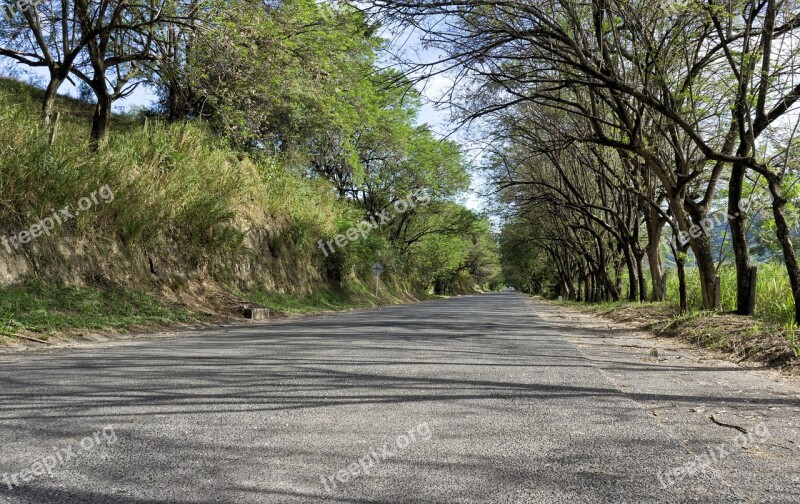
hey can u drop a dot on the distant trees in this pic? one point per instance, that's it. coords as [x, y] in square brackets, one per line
[120, 39]
[45, 36]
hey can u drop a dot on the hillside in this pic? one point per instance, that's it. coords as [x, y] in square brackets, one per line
[168, 224]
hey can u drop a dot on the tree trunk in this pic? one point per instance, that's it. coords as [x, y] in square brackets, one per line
[570, 289]
[101, 122]
[741, 250]
[679, 252]
[49, 100]
[598, 289]
[611, 292]
[785, 239]
[632, 275]
[701, 246]
[589, 287]
[587, 298]
[655, 228]
[684, 297]
[642, 281]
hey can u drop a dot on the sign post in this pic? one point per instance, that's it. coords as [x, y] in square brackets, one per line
[377, 270]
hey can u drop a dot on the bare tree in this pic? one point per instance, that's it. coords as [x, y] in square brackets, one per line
[44, 36]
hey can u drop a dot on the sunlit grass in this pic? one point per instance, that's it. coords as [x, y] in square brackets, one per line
[46, 309]
[173, 183]
[774, 301]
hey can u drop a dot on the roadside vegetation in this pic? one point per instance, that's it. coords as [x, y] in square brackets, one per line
[42, 311]
[276, 131]
[773, 299]
[640, 151]
[742, 339]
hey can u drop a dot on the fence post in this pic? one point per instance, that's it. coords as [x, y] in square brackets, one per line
[751, 300]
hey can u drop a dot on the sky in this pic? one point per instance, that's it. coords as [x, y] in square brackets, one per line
[406, 48]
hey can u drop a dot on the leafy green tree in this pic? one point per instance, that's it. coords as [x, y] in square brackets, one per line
[284, 79]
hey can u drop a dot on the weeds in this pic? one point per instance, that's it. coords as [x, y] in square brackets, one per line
[774, 301]
[41, 308]
[161, 176]
[178, 189]
[7, 325]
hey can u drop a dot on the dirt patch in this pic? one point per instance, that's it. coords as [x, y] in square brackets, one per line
[741, 339]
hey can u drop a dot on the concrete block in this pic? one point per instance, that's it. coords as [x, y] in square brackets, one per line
[256, 313]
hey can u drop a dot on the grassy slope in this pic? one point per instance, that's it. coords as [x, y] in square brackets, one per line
[42, 310]
[35, 308]
[164, 203]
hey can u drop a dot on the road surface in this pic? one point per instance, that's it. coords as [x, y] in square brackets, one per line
[485, 399]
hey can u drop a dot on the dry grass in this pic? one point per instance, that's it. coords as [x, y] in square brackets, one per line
[742, 339]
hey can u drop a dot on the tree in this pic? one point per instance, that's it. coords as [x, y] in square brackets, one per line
[119, 37]
[649, 82]
[46, 35]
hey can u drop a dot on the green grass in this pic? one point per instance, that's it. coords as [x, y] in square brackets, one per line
[181, 195]
[328, 299]
[354, 295]
[47, 309]
[173, 183]
[774, 301]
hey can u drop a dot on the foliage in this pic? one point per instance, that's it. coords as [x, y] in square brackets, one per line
[179, 187]
[525, 265]
[275, 125]
[160, 177]
[615, 126]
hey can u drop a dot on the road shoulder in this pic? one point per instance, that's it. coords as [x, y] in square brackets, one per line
[707, 403]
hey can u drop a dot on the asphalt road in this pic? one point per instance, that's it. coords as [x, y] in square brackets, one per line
[469, 400]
